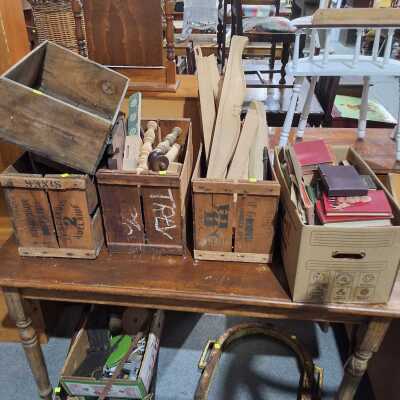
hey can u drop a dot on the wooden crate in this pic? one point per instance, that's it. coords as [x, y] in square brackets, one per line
[147, 212]
[234, 220]
[60, 105]
[54, 214]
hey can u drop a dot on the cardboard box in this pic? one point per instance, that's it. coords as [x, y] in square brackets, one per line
[122, 388]
[338, 265]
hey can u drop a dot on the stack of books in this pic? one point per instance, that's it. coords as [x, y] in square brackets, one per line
[330, 193]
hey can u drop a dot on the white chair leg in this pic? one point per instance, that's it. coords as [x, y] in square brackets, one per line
[306, 108]
[362, 121]
[397, 131]
[298, 82]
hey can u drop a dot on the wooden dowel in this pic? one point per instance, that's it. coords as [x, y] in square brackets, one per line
[296, 49]
[357, 48]
[375, 48]
[312, 44]
[388, 47]
[326, 47]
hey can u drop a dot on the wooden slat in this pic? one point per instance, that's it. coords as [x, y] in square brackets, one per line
[255, 224]
[32, 181]
[214, 216]
[31, 215]
[89, 254]
[65, 135]
[122, 214]
[124, 32]
[162, 215]
[108, 177]
[72, 219]
[262, 188]
[232, 256]
[353, 17]
[82, 82]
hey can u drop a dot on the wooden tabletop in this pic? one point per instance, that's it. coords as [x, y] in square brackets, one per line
[178, 283]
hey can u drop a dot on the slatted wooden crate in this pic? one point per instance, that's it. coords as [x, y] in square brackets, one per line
[60, 105]
[234, 220]
[147, 212]
[54, 214]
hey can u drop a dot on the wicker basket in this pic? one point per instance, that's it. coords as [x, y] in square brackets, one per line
[56, 21]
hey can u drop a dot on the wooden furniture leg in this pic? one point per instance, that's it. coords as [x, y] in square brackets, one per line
[29, 341]
[284, 61]
[298, 82]
[362, 122]
[397, 130]
[306, 108]
[357, 364]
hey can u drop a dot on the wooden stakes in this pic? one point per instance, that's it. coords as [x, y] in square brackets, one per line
[227, 126]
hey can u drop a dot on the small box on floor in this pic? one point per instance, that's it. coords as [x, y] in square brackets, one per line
[114, 365]
[337, 264]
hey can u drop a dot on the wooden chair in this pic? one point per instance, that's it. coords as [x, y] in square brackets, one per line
[384, 21]
[237, 29]
[61, 22]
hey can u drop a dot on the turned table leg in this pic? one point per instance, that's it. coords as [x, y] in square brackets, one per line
[29, 341]
[357, 364]
[362, 121]
[287, 125]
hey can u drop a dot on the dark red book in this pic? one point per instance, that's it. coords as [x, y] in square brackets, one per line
[349, 220]
[342, 180]
[374, 204]
[311, 154]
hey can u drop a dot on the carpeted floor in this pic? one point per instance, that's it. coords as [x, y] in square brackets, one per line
[253, 369]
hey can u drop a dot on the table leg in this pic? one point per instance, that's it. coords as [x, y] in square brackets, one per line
[29, 341]
[357, 364]
[306, 108]
[287, 125]
[362, 121]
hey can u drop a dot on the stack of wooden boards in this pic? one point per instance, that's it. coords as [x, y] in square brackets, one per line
[332, 193]
[232, 151]
[235, 191]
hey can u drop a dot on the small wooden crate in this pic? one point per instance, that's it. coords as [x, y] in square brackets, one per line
[53, 214]
[234, 220]
[60, 105]
[147, 212]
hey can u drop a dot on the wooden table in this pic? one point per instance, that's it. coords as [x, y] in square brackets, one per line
[178, 283]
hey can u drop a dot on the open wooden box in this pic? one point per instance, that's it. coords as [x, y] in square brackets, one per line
[147, 212]
[76, 385]
[60, 105]
[234, 220]
[54, 210]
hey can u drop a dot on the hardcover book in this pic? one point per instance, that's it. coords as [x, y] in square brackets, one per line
[311, 154]
[342, 180]
[349, 220]
[374, 204]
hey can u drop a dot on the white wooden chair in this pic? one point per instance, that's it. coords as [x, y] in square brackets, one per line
[384, 21]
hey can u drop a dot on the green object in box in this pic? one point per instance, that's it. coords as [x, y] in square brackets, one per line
[121, 345]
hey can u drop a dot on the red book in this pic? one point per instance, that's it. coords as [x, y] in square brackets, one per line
[336, 219]
[312, 153]
[374, 204]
